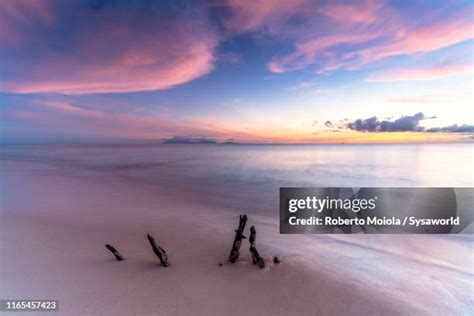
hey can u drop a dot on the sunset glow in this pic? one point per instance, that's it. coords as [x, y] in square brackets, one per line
[261, 71]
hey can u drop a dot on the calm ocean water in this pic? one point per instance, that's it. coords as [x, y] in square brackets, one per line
[235, 174]
[337, 165]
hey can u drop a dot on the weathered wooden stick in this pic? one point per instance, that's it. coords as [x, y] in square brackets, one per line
[239, 235]
[159, 252]
[115, 252]
[252, 240]
[256, 258]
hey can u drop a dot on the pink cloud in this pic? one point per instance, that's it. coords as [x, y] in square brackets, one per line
[307, 53]
[75, 49]
[431, 73]
[363, 12]
[424, 39]
[65, 108]
[274, 17]
[245, 16]
[72, 119]
[362, 34]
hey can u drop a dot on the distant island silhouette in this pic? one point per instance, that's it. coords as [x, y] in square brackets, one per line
[196, 140]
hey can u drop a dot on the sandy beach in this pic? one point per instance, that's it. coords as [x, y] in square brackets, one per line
[52, 247]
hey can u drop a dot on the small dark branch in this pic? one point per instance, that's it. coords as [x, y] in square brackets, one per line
[159, 252]
[239, 235]
[252, 240]
[115, 252]
[256, 258]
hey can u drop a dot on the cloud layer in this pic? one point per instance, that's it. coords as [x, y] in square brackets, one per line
[452, 129]
[100, 46]
[403, 124]
[407, 123]
[349, 36]
[80, 47]
[65, 119]
[427, 73]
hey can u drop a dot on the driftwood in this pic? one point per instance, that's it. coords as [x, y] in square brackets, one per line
[239, 235]
[159, 252]
[276, 260]
[115, 252]
[256, 258]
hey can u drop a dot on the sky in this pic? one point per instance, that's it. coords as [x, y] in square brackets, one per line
[264, 71]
